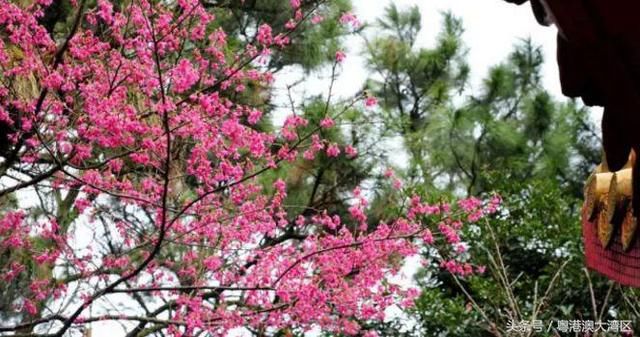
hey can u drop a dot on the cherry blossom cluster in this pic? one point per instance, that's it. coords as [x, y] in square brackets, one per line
[131, 121]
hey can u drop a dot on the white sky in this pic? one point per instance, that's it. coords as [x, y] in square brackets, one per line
[492, 27]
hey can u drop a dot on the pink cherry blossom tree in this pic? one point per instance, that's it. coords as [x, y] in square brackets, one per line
[152, 166]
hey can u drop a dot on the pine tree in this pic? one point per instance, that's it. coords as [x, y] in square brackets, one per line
[509, 136]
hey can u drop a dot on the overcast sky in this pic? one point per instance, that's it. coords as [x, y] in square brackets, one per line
[492, 27]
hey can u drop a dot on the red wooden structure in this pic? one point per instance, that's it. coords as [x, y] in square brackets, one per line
[599, 60]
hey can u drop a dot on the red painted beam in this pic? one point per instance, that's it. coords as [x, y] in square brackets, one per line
[613, 262]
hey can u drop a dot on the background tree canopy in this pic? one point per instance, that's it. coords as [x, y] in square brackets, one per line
[508, 136]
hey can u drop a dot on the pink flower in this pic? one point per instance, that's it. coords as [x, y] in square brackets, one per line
[316, 19]
[350, 327]
[140, 158]
[309, 154]
[280, 186]
[281, 40]
[357, 213]
[53, 81]
[115, 165]
[348, 18]
[15, 269]
[82, 204]
[46, 257]
[475, 216]
[291, 24]
[469, 204]
[26, 124]
[456, 224]
[410, 297]
[449, 233]
[427, 236]
[370, 101]
[350, 151]
[388, 173]
[327, 123]
[254, 116]
[493, 205]
[333, 150]
[105, 10]
[340, 56]
[316, 143]
[264, 36]
[184, 76]
[212, 263]
[5, 117]
[29, 307]
[292, 122]
[396, 183]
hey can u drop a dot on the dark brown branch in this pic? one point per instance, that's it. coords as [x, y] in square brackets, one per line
[183, 288]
